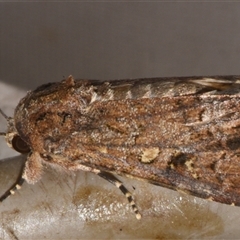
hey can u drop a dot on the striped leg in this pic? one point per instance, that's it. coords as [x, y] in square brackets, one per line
[16, 186]
[112, 179]
[12, 189]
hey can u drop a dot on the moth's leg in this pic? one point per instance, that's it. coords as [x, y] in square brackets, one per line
[112, 179]
[33, 168]
[30, 172]
[16, 186]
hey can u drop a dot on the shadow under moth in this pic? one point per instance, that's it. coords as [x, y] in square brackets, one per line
[180, 133]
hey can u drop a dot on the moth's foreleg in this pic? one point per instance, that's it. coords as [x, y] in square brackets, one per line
[16, 186]
[112, 179]
[31, 172]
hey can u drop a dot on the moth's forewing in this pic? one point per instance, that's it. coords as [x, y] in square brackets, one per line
[180, 133]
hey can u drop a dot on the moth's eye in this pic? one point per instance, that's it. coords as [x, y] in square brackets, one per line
[19, 145]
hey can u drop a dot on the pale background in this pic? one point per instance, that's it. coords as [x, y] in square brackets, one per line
[45, 42]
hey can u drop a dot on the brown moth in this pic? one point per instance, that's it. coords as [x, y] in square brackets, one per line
[180, 133]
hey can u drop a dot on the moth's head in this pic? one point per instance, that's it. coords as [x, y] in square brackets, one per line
[12, 137]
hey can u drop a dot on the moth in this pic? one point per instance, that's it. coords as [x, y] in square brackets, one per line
[179, 133]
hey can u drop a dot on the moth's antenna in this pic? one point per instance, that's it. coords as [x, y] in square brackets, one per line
[4, 115]
[7, 118]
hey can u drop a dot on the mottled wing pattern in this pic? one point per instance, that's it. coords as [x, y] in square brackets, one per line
[180, 133]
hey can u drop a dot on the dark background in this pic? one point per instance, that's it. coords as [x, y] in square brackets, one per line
[42, 42]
